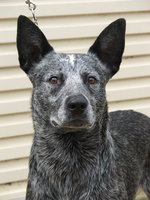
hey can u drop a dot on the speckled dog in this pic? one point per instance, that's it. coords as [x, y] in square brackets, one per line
[79, 151]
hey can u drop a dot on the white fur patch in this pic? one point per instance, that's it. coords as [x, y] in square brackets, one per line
[71, 57]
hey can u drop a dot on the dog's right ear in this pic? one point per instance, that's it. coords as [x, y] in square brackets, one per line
[32, 45]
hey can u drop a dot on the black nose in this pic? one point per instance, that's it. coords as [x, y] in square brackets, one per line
[77, 104]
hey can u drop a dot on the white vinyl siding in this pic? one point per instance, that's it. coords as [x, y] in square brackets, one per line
[70, 26]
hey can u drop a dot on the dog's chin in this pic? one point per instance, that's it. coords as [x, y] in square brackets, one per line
[72, 125]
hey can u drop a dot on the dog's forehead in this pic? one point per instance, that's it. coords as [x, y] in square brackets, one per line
[70, 63]
[76, 62]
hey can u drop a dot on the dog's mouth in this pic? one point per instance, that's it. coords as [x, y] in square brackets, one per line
[76, 123]
[72, 124]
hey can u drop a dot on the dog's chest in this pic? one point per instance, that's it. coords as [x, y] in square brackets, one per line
[72, 185]
[79, 187]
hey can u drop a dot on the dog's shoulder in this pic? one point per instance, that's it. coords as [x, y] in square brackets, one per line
[130, 128]
[130, 131]
[126, 120]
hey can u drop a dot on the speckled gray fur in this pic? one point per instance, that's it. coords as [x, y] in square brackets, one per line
[107, 156]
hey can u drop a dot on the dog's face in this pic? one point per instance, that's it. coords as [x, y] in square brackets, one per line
[69, 89]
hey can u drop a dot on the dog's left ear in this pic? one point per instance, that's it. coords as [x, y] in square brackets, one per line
[109, 46]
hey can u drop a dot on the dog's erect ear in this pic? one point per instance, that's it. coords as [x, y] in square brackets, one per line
[109, 46]
[32, 45]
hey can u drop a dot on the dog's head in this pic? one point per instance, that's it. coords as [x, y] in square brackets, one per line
[69, 89]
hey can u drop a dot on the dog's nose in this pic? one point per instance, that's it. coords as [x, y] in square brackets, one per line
[77, 104]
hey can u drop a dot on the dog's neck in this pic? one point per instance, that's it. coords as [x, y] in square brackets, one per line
[78, 148]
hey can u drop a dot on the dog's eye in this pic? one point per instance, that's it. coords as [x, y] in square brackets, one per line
[53, 80]
[91, 80]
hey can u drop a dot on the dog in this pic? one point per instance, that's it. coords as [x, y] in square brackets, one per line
[79, 150]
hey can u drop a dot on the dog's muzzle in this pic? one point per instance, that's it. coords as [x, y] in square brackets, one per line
[76, 114]
[76, 109]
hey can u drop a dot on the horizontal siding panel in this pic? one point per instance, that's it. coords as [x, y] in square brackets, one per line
[15, 191]
[95, 19]
[135, 104]
[134, 67]
[9, 59]
[102, 20]
[11, 95]
[11, 71]
[47, 8]
[80, 30]
[13, 118]
[14, 83]
[15, 125]
[128, 93]
[134, 21]
[15, 147]
[16, 129]
[132, 49]
[18, 105]
[13, 171]
[121, 84]
[88, 30]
